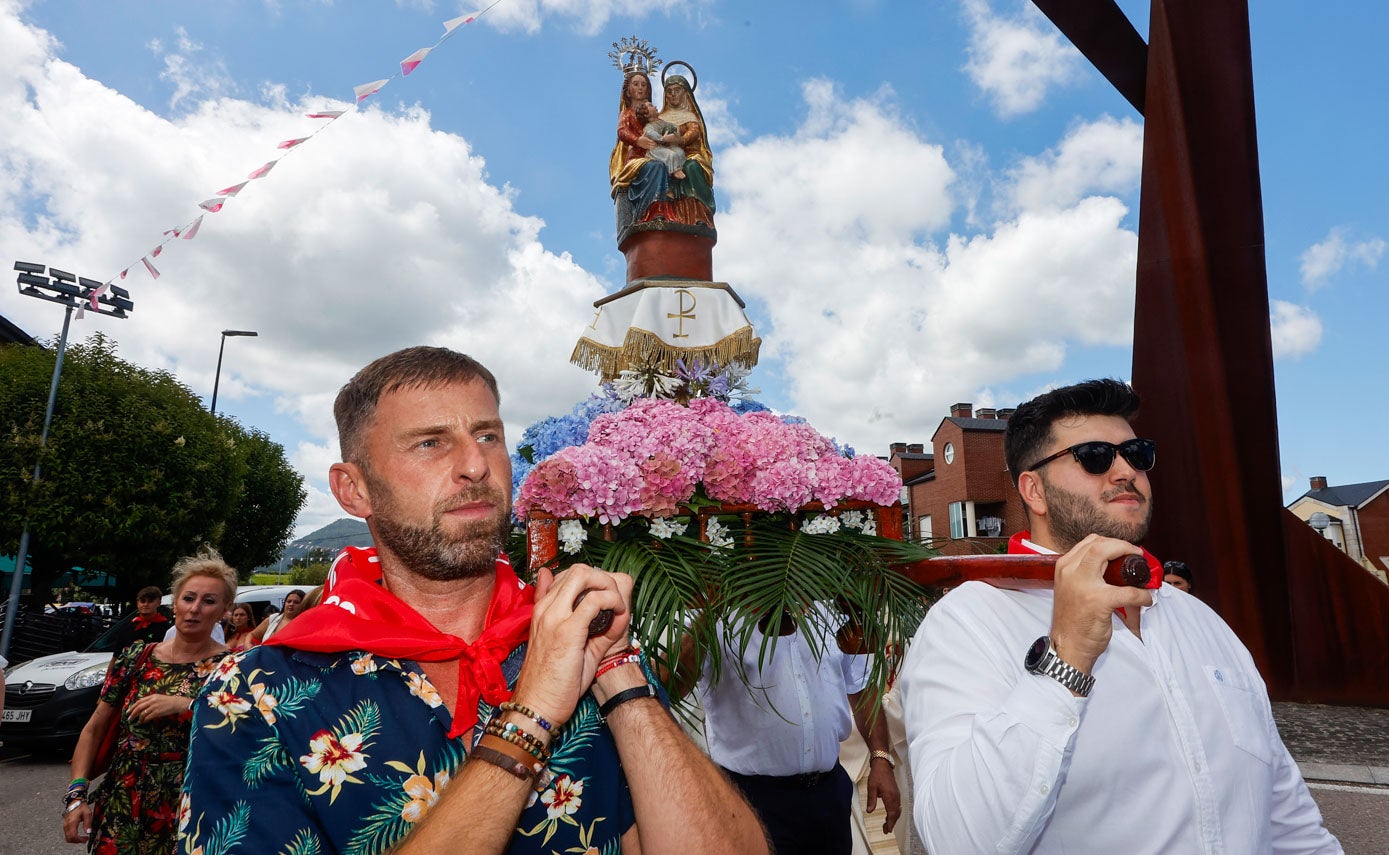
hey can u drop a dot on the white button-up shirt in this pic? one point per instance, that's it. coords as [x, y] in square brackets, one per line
[1175, 750]
[789, 718]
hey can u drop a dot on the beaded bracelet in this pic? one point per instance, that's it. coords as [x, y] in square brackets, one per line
[497, 728]
[512, 727]
[609, 664]
[77, 782]
[513, 706]
[630, 649]
[539, 754]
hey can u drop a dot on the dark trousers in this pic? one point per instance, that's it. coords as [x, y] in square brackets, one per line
[804, 814]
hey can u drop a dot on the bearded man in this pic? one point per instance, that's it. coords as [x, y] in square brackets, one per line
[433, 702]
[1091, 717]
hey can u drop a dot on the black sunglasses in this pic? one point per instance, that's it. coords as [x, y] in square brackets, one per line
[1097, 456]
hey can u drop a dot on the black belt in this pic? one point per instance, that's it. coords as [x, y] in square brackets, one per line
[804, 781]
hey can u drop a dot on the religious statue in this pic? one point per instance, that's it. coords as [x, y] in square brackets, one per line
[649, 186]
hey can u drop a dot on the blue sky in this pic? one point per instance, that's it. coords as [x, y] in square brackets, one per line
[922, 203]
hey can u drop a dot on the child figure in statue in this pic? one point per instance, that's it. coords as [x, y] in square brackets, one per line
[660, 131]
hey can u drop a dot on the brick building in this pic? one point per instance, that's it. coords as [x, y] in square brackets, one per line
[1357, 519]
[962, 491]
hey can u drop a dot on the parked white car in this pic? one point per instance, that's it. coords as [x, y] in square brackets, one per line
[49, 699]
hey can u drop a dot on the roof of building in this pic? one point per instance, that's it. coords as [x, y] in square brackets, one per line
[978, 424]
[920, 479]
[1347, 495]
[912, 455]
[11, 333]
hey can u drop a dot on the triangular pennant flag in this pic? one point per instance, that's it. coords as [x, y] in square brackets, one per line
[150, 267]
[173, 232]
[212, 206]
[193, 229]
[124, 272]
[411, 62]
[91, 298]
[454, 23]
[82, 311]
[291, 143]
[366, 90]
[262, 171]
[232, 190]
[157, 250]
[326, 114]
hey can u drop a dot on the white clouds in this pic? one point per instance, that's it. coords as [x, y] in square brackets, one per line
[348, 250]
[193, 74]
[1016, 59]
[1323, 260]
[1103, 156]
[877, 326]
[1296, 329]
[588, 16]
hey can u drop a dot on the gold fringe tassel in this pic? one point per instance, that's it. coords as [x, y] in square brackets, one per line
[643, 349]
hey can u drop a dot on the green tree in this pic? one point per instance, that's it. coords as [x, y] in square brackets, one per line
[135, 473]
[309, 575]
[271, 496]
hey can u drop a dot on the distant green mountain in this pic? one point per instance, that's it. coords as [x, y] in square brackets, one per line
[332, 537]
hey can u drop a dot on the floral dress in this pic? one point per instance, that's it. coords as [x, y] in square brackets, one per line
[134, 810]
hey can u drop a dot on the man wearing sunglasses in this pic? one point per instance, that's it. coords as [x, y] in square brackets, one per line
[1090, 717]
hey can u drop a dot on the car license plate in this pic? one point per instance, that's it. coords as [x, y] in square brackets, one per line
[16, 715]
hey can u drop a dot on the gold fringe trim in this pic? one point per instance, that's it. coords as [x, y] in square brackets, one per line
[645, 349]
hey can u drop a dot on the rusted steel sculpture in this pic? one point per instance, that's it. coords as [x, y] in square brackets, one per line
[1316, 623]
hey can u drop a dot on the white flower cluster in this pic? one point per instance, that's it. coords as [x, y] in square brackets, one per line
[718, 534]
[645, 383]
[822, 524]
[667, 527]
[866, 523]
[572, 536]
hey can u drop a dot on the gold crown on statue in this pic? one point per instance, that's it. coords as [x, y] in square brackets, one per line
[634, 56]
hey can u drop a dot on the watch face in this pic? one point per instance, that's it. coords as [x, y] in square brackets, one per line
[1039, 648]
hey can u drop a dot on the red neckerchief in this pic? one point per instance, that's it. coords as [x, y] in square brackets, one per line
[357, 613]
[1016, 546]
[141, 621]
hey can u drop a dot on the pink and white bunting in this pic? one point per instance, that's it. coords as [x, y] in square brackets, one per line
[361, 93]
[411, 62]
[454, 23]
[366, 90]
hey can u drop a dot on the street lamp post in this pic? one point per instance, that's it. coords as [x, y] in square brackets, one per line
[71, 292]
[217, 379]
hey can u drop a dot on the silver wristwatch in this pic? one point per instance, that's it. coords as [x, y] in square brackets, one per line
[1042, 659]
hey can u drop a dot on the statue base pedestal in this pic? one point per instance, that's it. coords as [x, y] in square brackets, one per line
[669, 249]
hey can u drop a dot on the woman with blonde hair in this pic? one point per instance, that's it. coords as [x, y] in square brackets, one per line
[148, 701]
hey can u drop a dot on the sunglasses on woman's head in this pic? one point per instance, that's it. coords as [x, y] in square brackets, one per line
[1097, 456]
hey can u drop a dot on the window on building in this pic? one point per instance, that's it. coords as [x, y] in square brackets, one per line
[957, 519]
[923, 527]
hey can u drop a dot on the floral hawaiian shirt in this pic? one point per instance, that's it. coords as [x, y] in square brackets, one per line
[296, 753]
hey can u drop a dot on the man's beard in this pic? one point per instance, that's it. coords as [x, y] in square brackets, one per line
[438, 555]
[1073, 517]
